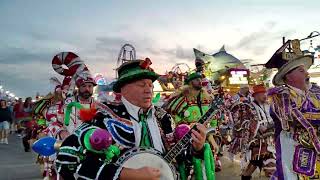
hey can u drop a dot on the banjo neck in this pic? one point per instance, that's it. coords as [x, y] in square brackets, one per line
[185, 140]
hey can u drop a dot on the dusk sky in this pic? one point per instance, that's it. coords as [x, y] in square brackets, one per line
[33, 31]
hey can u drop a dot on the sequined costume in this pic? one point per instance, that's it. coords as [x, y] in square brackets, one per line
[74, 161]
[296, 115]
[187, 106]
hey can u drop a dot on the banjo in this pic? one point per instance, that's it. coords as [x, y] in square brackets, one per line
[141, 157]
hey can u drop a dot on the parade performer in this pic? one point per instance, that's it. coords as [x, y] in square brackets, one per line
[190, 103]
[261, 151]
[81, 78]
[200, 68]
[50, 111]
[224, 133]
[296, 112]
[243, 94]
[133, 123]
[39, 130]
[52, 107]
[53, 116]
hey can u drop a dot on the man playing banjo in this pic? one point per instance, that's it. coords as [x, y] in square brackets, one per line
[132, 124]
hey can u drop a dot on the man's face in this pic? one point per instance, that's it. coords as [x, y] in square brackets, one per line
[260, 97]
[3, 104]
[298, 78]
[29, 100]
[58, 95]
[86, 90]
[196, 84]
[139, 93]
[244, 90]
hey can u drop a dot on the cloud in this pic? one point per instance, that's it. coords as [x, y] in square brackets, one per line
[16, 55]
[30, 66]
[261, 43]
[145, 47]
[26, 78]
[109, 43]
[254, 37]
[25, 67]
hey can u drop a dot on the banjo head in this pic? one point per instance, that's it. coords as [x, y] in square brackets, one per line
[138, 158]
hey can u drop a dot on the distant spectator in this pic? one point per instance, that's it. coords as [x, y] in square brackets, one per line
[18, 115]
[27, 111]
[13, 128]
[5, 119]
[27, 108]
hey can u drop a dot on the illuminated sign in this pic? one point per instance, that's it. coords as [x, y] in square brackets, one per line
[238, 77]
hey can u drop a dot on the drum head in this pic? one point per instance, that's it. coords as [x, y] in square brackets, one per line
[141, 158]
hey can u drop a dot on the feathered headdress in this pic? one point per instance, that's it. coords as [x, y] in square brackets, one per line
[56, 83]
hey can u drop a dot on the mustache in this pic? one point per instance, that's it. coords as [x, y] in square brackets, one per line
[85, 93]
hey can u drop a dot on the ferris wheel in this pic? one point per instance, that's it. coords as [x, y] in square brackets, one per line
[127, 53]
[180, 68]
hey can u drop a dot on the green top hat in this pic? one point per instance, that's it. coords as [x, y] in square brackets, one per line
[133, 71]
[191, 77]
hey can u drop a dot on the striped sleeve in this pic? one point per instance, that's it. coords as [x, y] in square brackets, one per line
[94, 168]
[40, 106]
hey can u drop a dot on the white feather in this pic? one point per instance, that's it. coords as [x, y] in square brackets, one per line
[54, 81]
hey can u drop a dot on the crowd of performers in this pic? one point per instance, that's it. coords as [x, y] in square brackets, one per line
[275, 129]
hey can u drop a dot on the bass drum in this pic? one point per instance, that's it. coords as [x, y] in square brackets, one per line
[139, 157]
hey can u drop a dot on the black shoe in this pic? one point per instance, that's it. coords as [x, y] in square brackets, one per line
[245, 177]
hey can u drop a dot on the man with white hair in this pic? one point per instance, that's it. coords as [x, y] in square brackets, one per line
[243, 94]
